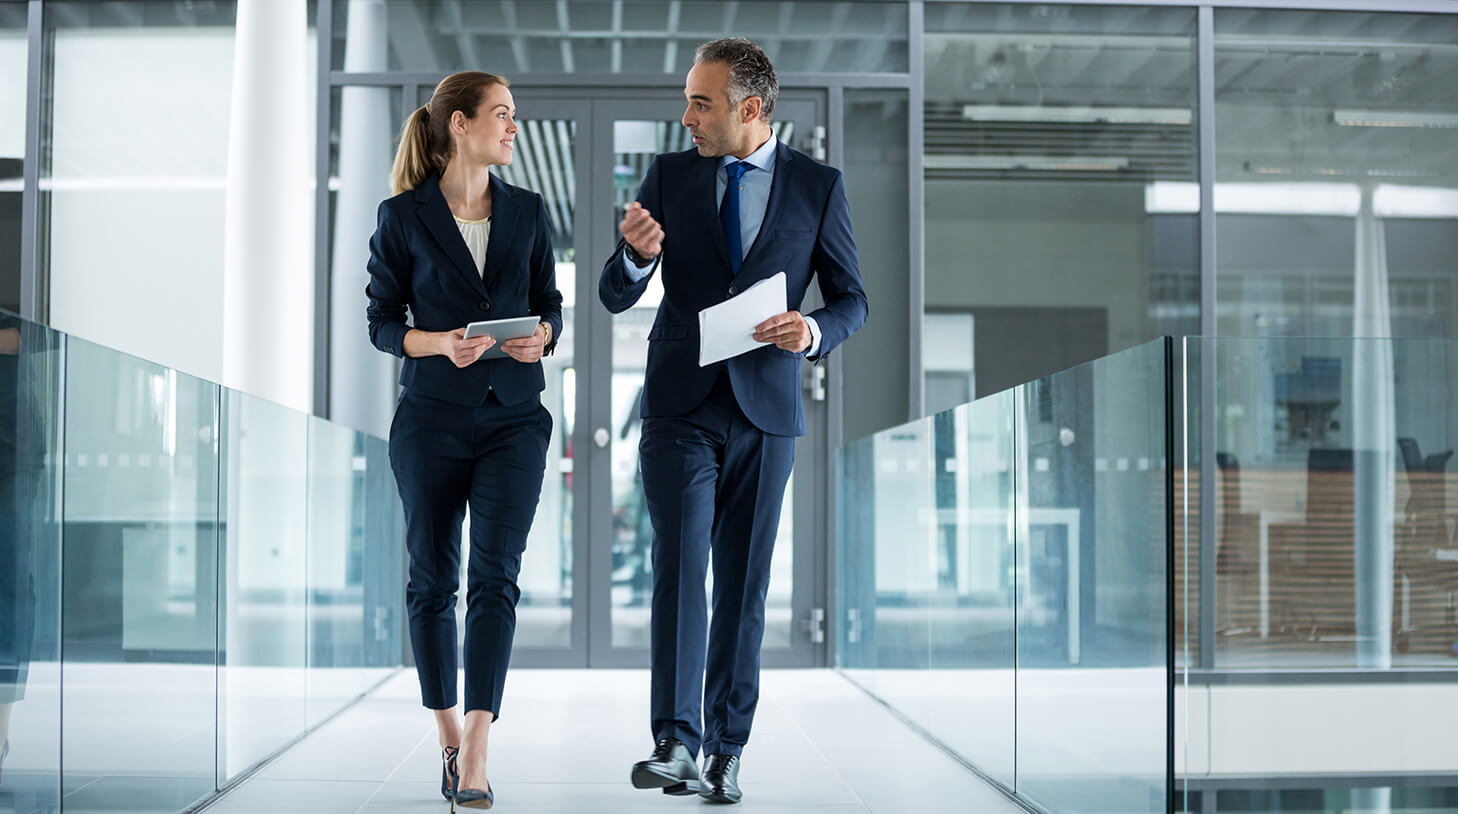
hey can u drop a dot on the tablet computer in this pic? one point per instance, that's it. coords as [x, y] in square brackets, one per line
[502, 330]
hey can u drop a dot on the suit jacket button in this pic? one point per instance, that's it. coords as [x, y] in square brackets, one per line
[485, 306]
[733, 290]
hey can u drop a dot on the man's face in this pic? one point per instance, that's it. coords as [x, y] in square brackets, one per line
[715, 124]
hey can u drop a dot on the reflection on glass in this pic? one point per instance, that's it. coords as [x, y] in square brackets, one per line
[1045, 126]
[1092, 651]
[1001, 570]
[1334, 539]
[648, 36]
[30, 566]
[140, 581]
[261, 677]
[1336, 197]
[354, 580]
[635, 144]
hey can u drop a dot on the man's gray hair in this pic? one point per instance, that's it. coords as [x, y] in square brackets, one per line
[750, 71]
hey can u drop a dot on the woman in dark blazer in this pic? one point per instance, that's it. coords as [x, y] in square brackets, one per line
[457, 245]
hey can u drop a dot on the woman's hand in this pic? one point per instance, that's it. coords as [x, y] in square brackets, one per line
[528, 349]
[462, 351]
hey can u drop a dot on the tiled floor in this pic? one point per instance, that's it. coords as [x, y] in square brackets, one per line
[568, 737]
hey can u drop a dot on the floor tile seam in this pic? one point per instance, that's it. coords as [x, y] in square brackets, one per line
[398, 766]
[813, 745]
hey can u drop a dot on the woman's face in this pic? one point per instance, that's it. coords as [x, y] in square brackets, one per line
[490, 137]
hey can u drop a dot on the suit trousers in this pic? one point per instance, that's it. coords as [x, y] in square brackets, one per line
[714, 484]
[447, 458]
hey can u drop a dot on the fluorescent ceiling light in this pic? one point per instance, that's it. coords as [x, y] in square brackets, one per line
[1393, 118]
[1282, 198]
[1070, 115]
[1172, 198]
[1288, 199]
[1398, 201]
[1080, 163]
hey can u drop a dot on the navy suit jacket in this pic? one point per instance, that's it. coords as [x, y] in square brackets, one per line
[419, 261]
[806, 232]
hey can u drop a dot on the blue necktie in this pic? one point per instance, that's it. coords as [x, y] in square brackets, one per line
[729, 213]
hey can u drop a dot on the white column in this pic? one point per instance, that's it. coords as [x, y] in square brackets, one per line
[361, 379]
[1374, 441]
[268, 279]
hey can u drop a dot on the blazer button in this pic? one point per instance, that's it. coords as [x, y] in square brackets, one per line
[485, 306]
[733, 290]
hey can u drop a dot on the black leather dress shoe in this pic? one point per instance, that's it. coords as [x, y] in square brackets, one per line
[721, 779]
[670, 768]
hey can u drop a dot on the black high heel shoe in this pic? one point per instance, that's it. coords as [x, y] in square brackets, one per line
[474, 798]
[449, 776]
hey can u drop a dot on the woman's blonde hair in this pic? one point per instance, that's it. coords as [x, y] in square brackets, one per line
[425, 141]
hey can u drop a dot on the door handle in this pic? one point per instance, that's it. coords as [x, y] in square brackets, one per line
[601, 437]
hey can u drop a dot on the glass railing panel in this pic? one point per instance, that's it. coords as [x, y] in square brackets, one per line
[969, 701]
[1093, 654]
[894, 518]
[31, 398]
[261, 678]
[355, 576]
[139, 593]
[855, 562]
[1331, 640]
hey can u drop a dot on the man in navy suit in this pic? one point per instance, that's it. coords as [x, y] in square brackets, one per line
[718, 441]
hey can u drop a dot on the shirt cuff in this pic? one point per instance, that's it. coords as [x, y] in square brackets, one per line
[814, 348]
[634, 273]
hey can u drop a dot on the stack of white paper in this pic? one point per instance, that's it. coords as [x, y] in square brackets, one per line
[727, 329]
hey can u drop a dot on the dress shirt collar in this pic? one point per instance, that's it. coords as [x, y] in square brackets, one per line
[762, 159]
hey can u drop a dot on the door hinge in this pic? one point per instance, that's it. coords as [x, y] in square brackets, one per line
[813, 381]
[815, 625]
[853, 625]
[817, 143]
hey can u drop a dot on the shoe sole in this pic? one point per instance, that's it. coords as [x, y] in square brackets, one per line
[721, 798]
[645, 778]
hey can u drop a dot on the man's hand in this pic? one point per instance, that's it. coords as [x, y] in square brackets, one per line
[641, 231]
[527, 349]
[462, 351]
[788, 331]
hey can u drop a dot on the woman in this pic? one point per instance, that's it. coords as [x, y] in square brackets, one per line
[456, 245]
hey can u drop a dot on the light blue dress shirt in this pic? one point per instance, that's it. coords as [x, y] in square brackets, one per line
[754, 192]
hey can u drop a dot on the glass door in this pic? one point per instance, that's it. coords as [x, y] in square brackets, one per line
[627, 134]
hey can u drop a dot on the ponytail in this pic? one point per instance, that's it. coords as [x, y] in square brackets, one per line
[414, 160]
[425, 140]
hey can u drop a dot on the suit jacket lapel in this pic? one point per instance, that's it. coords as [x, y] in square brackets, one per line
[708, 178]
[784, 168]
[503, 227]
[435, 213]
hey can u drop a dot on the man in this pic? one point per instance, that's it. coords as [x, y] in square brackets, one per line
[718, 441]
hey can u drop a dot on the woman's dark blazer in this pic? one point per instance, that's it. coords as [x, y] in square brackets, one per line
[418, 261]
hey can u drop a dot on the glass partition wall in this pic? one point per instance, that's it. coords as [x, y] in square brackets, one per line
[1323, 592]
